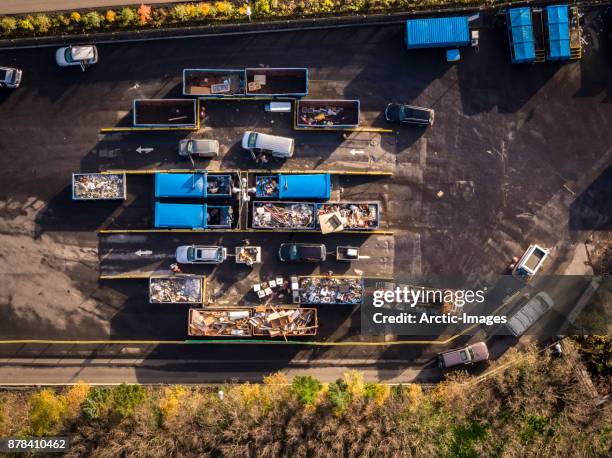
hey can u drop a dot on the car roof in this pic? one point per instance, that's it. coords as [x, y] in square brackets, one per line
[82, 52]
[530, 313]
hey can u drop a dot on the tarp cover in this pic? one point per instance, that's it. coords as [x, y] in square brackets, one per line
[180, 184]
[308, 186]
[180, 215]
[521, 35]
[557, 22]
[437, 32]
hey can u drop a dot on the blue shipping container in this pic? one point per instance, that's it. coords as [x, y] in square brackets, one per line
[298, 186]
[188, 216]
[520, 31]
[180, 185]
[437, 32]
[557, 24]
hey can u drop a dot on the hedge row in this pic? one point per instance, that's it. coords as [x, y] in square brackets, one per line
[186, 14]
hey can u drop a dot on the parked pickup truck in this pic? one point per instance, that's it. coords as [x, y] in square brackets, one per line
[463, 356]
[531, 312]
[10, 77]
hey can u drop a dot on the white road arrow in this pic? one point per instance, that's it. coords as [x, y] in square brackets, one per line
[145, 252]
[141, 150]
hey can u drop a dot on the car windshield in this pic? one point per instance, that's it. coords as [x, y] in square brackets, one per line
[3, 75]
[405, 112]
[190, 147]
[190, 253]
[464, 355]
[68, 55]
[252, 140]
[293, 253]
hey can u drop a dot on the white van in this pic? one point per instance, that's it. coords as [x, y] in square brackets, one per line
[273, 144]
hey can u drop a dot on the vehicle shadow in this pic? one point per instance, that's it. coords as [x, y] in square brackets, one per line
[592, 209]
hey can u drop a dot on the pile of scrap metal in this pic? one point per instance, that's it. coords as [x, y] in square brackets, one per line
[290, 215]
[322, 116]
[354, 215]
[218, 184]
[267, 186]
[248, 255]
[330, 290]
[221, 322]
[175, 289]
[97, 186]
[281, 321]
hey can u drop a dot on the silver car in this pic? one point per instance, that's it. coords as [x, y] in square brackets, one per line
[10, 77]
[199, 147]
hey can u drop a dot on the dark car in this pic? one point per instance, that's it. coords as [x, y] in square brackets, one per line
[409, 114]
[302, 252]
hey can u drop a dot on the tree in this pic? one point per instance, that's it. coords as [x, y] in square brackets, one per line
[127, 397]
[339, 397]
[169, 404]
[46, 410]
[8, 24]
[91, 20]
[305, 388]
[96, 403]
[144, 14]
[127, 16]
[75, 396]
[262, 7]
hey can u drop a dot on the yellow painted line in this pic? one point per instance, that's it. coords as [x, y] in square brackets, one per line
[246, 98]
[146, 129]
[347, 129]
[331, 172]
[237, 231]
[152, 171]
[129, 276]
[223, 342]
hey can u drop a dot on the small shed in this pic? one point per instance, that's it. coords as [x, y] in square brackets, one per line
[520, 33]
[442, 32]
[558, 29]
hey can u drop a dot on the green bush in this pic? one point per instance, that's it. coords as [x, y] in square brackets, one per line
[179, 12]
[339, 396]
[96, 403]
[91, 20]
[8, 24]
[305, 388]
[127, 397]
[42, 23]
[262, 7]
[127, 17]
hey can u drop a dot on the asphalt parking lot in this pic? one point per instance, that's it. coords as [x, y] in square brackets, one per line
[512, 151]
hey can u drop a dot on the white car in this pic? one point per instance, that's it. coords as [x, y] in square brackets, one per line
[84, 56]
[197, 254]
[273, 144]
